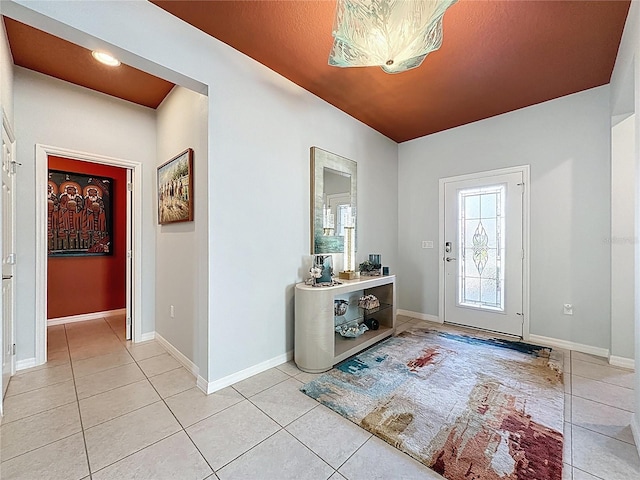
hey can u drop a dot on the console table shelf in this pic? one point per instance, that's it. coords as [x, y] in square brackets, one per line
[346, 347]
[357, 314]
[317, 346]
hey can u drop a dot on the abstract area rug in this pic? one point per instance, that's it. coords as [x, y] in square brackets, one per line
[469, 407]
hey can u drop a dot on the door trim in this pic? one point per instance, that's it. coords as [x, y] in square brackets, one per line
[7, 127]
[134, 231]
[10, 136]
[524, 169]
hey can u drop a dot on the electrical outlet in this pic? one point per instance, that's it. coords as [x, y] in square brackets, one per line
[427, 244]
[568, 309]
[172, 311]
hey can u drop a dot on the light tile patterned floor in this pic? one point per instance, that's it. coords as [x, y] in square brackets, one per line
[103, 408]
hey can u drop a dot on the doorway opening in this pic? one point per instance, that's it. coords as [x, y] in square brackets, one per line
[86, 243]
[132, 239]
[484, 245]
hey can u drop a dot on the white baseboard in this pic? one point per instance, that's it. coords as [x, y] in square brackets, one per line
[420, 316]
[26, 363]
[210, 387]
[203, 385]
[86, 316]
[567, 345]
[635, 429]
[623, 362]
[178, 355]
[145, 337]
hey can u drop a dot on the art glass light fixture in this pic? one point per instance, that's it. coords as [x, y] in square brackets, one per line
[396, 35]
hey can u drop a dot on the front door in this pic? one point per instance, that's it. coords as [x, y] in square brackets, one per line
[8, 258]
[484, 251]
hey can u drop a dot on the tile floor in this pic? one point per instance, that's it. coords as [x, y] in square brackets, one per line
[103, 408]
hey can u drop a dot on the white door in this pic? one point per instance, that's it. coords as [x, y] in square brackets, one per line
[8, 259]
[484, 251]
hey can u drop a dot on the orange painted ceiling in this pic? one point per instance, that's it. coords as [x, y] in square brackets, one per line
[496, 56]
[44, 53]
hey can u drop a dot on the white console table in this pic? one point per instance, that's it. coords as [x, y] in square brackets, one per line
[317, 346]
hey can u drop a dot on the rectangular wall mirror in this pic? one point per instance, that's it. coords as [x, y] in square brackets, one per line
[333, 200]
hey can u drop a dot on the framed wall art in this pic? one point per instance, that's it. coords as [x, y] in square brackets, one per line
[175, 189]
[79, 214]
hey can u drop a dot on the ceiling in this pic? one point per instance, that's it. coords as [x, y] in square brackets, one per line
[496, 56]
[44, 53]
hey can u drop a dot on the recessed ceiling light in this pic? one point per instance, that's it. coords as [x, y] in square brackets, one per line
[105, 58]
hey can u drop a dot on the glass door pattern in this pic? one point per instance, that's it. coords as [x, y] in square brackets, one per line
[481, 247]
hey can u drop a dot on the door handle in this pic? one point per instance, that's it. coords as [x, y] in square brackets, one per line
[450, 259]
[7, 277]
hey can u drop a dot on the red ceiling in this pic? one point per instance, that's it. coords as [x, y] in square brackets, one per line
[44, 53]
[497, 56]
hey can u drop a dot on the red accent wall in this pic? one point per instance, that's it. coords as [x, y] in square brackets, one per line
[78, 285]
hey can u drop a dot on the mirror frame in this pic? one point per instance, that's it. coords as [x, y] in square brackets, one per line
[321, 159]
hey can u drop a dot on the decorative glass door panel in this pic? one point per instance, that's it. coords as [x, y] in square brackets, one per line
[481, 247]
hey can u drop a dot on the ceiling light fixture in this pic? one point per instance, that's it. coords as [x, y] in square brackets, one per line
[105, 58]
[395, 35]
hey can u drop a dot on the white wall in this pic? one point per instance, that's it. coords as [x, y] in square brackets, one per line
[623, 238]
[181, 255]
[622, 83]
[261, 207]
[625, 83]
[6, 75]
[52, 112]
[635, 13]
[260, 129]
[566, 143]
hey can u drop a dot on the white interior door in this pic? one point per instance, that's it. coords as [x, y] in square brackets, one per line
[484, 252]
[7, 209]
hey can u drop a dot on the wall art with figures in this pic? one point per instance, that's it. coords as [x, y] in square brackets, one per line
[79, 214]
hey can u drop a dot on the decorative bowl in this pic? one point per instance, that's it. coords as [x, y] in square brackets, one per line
[351, 330]
[368, 302]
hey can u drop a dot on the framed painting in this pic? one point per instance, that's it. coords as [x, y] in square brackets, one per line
[79, 214]
[175, 189]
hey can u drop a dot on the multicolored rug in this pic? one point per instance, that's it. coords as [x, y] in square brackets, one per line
[469, 407]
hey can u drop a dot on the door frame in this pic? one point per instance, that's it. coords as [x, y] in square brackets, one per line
[524, 169]
[7, 128]
[134, 232]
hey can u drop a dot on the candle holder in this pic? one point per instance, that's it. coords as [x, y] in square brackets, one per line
[349, 272]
